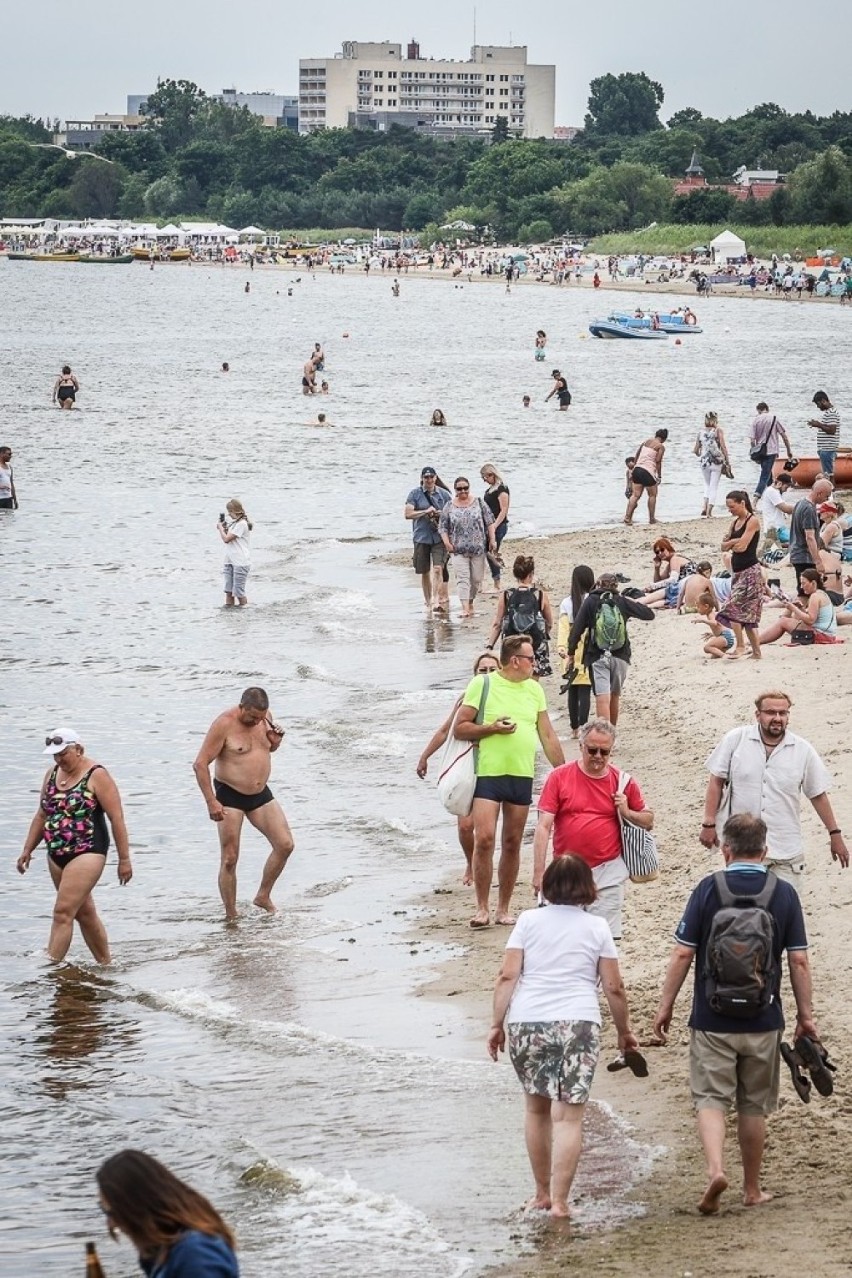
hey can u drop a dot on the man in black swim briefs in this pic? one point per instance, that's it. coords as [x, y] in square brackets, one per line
[240, 743]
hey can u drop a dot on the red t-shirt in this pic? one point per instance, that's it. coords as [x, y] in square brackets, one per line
[586, 821]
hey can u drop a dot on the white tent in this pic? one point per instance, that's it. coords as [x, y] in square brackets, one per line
[250, 232]
[726, 245]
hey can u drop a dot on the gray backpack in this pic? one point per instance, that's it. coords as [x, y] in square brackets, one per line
[740, 969]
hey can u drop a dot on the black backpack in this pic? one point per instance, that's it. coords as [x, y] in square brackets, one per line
[741, 972]
[523, 615]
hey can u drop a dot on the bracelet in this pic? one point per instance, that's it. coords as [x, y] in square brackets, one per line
[708, 825]
[831, 832]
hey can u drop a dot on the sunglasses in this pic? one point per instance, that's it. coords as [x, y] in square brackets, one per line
[525, 656]
[56, 741]
[463, 488]
[597, 750]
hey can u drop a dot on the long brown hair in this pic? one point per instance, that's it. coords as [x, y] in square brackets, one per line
[149, 1204]
[235, 507]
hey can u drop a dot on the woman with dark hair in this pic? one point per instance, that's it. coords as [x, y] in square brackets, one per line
[65, 388]
[547, 991]
[525, 610]
[646, 475]
[177, 1232]
[742, 610]
[819, 615]
[485, 663]
[466, 526]
[579, 682]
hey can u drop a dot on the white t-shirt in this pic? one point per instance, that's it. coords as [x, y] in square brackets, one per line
[5, 482]
[559, 982]
[721, 588]
[238, 552]
[768, 507]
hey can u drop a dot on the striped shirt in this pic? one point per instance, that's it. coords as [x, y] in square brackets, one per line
[827, 443]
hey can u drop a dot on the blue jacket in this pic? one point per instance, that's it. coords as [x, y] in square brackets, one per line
[195, 1255]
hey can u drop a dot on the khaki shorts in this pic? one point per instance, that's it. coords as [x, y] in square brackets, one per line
[608, 905]
[790, 871]
[742, 1070]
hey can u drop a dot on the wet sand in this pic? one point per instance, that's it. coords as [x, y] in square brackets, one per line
[676, 706]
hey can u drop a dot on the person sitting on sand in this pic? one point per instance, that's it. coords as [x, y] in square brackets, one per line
[721, 638]
[818, 615]
[681, 592]
[669, 563]
[830, 541]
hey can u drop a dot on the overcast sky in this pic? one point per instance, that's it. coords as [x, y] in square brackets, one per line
[722, 58]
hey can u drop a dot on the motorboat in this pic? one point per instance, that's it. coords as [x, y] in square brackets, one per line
[668, 323]
[616, 328]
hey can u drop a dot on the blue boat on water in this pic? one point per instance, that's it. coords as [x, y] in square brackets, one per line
[614, 327]
[666, 323]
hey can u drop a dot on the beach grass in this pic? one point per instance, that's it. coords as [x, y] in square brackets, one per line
[763, 241]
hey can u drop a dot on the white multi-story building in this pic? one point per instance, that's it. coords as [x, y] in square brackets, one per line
[373, 85]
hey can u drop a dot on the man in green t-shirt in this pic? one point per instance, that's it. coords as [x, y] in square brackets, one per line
[514, 721]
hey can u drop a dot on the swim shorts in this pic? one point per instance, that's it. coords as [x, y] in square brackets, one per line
[231, 798]
[505, 789]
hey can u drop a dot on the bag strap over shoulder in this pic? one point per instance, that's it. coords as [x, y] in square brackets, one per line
[486, 683]
[727, 898]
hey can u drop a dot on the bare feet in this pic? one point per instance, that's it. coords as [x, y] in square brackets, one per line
[758, 1199]
[505, 920]
[538, 1202]
[265, 903]
[480, 919]
[559, 1210]
[716, 1187]
[628, 522]
[467, 878]
[736, 655]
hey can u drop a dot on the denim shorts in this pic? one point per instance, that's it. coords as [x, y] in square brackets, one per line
[827, 459]
[236, 576]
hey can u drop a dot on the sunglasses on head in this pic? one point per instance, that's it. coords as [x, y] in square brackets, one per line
[598, 750]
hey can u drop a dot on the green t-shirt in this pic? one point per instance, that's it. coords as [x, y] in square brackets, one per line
[510, 754]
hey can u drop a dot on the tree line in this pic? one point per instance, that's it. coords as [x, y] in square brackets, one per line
[197, 158]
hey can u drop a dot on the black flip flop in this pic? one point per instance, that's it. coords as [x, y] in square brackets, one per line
[801, 1082]
[632, 1060]
[814, 1057]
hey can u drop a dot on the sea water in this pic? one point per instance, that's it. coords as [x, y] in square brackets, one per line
[284, 1065]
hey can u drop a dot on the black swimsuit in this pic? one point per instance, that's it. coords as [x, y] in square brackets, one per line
[231, 798]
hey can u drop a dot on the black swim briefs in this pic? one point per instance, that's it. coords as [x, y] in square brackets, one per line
[231, 798]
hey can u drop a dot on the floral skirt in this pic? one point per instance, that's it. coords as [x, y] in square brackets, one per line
[746, 602]
[555, 1058]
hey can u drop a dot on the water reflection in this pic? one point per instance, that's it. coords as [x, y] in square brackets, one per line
[80, 1019]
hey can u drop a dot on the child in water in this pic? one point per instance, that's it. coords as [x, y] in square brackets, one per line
[540, 345]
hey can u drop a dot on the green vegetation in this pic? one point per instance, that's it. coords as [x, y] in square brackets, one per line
[198, 158]
[760, 240]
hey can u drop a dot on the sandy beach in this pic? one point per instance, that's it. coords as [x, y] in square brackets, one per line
[676, 706]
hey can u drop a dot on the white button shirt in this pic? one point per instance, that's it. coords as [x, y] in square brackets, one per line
[771, 787]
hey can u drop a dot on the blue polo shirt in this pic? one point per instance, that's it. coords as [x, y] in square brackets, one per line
[425, 531]
[744, 879]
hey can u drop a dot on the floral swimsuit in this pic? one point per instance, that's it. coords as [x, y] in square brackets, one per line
[74, 820]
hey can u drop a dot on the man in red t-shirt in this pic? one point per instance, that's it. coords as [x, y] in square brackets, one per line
[580, 805]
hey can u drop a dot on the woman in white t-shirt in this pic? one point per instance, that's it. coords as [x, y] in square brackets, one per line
[235, 532]
[547, 989]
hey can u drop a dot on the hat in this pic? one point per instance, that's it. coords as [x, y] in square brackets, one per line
[428, 472]
[827, 508]
[64, 737]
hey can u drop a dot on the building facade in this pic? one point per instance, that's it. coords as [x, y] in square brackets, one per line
[277, 110]
[374, 85]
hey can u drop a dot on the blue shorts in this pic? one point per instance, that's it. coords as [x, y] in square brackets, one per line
[728, 636]
[827, 459]
[506, 789]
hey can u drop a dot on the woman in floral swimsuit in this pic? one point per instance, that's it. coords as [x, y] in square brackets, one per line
[78, 797]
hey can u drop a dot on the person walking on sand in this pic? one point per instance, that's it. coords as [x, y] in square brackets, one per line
[514, 722]
[647, 474]
[78, 797]
[712, 453]
[466, 526]
[240, 743]
[423, 507]
[602, 623]
[764, 769]
[734, 1059]
[763, 447]
[547, 992]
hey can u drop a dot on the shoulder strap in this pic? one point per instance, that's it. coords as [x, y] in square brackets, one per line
[486, 681]
[761, 898]
[92, 769]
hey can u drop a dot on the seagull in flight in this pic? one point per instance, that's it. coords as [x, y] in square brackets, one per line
[72, 155]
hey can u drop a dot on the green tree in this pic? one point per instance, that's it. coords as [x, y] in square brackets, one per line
[25, 126]
[821, 190]
[705, 204]
[687, 118]
[138, 152]
[96, 189]
[535, 232]
[500, 131]
[625, 105]
[174, 108]
[422, 208]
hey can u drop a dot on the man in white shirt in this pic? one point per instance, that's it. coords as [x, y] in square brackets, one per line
[773, 508]
[8, 496]
[762, 769]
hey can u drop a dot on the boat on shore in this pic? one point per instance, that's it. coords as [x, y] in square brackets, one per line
[148, 253]
[668, 323]
[43, 257]
[102, 259]
[807, 469]
[611, 328]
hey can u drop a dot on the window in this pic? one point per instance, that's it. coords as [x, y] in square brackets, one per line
[502, 77]
[379, 75]
[391, 101]
[489, 77]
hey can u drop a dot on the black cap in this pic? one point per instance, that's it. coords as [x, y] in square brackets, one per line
[428, 472]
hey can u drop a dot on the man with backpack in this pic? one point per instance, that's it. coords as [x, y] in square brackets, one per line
[737, 924]
[603, 619]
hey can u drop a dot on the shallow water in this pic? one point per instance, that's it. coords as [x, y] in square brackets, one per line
[283, 1065]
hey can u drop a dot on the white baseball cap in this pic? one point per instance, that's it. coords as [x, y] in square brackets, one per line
[59, 738]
